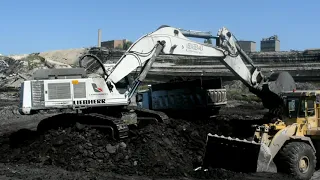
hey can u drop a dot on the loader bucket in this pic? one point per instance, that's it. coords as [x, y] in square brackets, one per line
[236, 155]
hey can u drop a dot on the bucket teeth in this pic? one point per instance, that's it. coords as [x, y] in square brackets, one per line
[232, 139]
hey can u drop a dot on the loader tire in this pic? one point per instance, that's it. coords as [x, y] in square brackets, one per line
[291, 155]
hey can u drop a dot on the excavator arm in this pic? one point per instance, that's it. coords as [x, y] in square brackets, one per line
[178, 44]
[171, 41]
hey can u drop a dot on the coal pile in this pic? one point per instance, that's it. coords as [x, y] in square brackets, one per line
[162, 150]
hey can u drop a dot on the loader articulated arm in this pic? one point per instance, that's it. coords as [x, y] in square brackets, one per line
[171, 41]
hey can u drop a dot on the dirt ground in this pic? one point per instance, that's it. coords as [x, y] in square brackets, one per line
[163, 151]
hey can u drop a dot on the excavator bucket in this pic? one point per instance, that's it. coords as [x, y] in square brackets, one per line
[236, 155]
[278, 82]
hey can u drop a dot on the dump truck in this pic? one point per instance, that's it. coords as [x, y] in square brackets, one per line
[185, 98]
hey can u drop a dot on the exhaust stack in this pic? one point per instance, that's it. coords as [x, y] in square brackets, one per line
[99, 37]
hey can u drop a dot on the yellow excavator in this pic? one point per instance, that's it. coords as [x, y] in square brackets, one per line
[288, 145]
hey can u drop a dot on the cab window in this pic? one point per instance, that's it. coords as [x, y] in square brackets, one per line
[310, 106]
[293, 106]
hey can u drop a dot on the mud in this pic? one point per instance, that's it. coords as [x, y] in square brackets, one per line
[162, 151]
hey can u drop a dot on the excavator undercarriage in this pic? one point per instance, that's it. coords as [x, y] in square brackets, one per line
[116, 123]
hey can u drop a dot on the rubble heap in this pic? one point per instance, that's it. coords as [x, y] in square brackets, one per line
[13, 72]
[162, 150]
[157, 150]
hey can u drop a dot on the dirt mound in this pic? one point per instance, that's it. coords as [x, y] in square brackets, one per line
[66, 56]
[158, 150]
[9, 65]
[14, 72]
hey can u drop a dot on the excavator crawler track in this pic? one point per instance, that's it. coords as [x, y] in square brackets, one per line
[117, 126]
[144, 114]
[117, 122]
[231, 153]
[118, 129]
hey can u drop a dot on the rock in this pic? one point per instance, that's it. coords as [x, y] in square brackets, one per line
[58, 142]
[90, 153]
[16, 111]
[85, 153]
[93, 164]
[167, 141]
[135, 163]
[99, 155]
[119, 157]
[106, 155]
[95, 143]
[79, 126]
[3, 66]
[122, 145]
[111, 149]
[87, 146]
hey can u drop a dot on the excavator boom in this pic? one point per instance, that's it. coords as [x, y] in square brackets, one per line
[227, 51]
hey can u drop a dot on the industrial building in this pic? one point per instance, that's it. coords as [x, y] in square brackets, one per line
[270, 44]
[114, 43]
[247, 46]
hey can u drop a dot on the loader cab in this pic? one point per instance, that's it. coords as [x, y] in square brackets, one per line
[302, 107]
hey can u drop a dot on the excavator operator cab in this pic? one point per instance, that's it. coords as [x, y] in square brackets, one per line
[302, 107]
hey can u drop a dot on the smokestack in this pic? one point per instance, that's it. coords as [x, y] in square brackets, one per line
[99, 37]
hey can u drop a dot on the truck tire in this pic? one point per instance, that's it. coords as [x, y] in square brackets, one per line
[297, 159]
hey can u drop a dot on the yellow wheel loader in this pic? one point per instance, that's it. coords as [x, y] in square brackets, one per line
[289, 145]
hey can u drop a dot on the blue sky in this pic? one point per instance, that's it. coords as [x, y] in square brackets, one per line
[34, 26]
